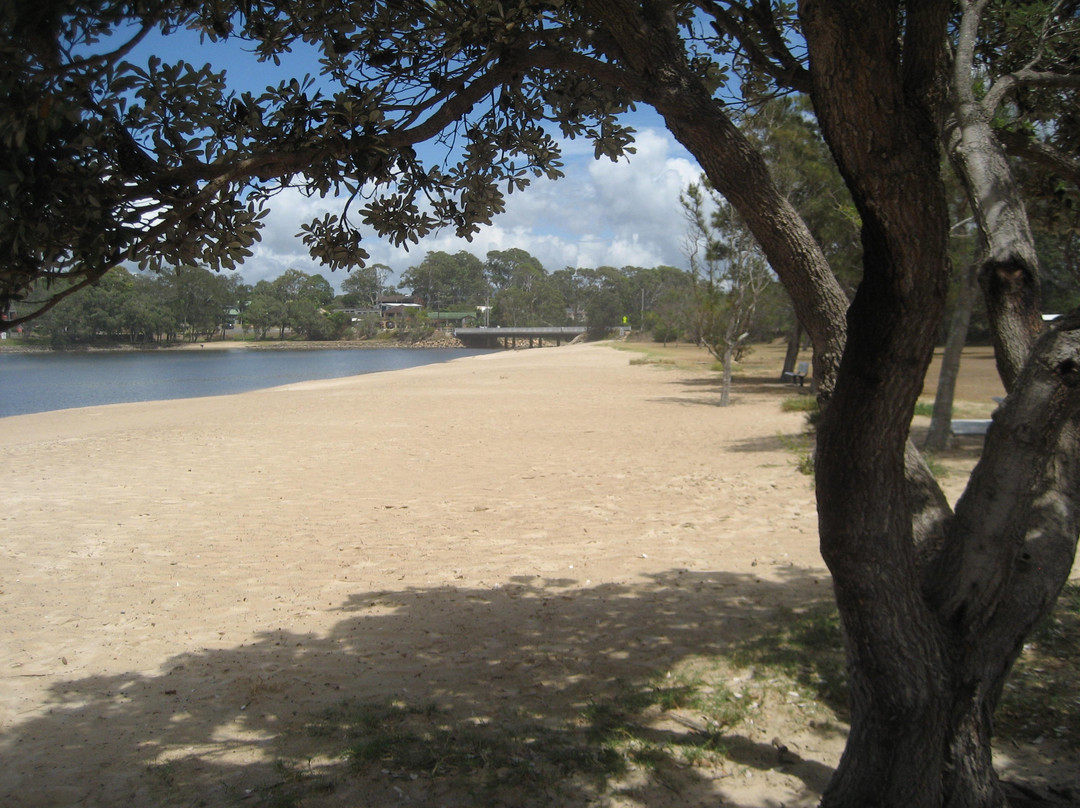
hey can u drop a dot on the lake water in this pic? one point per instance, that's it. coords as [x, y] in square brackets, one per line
[38, 382]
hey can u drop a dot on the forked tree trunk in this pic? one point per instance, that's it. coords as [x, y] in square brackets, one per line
[934, 620]
[934, 605]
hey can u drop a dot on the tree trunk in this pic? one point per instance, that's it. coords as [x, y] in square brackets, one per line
[656, 72]
[934, 605]
[792, 355]
[931, 629]
[937, 439]
[725, 384]
[1009, 273]
[898, 654]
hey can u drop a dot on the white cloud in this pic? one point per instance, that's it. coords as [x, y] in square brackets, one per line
[600, 214]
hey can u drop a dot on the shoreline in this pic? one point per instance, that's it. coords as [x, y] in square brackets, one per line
[261, 345]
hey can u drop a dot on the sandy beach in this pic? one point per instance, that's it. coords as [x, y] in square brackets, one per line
[187, 588]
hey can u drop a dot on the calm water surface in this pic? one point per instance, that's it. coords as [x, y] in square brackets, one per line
[39, 382]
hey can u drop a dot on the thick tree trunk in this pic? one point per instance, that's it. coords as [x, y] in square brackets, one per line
[934, 605]
[881, 125]
[931, 636]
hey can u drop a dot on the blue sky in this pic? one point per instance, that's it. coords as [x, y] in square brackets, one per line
[600, 214]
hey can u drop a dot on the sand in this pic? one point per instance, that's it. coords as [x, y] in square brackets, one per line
[187, 586]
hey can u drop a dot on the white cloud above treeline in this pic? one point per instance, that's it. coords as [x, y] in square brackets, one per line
[600, 214]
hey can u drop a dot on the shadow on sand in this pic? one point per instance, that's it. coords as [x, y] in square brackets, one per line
[509, 678]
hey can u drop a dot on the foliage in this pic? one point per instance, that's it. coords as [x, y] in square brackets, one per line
[188, 302]
[108, 161]
[364, 285]
[730, 272]
[786, 132]
[443, 281]
[730, 275]
[294, 301]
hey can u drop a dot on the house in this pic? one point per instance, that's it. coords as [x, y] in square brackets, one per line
[395, 310]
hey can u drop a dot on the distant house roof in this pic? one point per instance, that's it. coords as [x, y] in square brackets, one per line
[450, 315]
[396, 300]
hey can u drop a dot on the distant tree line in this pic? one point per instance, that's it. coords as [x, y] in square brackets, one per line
[194, 303]
[521, 292]
[179, 303]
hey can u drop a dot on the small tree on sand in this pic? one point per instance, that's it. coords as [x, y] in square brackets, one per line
[730, 273]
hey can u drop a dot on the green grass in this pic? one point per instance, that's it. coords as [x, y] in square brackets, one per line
[924, 408]
[487, 755]
[499, 756]
[802, 446]
[652, 360]
[807, 648]
[661, 729]
[1042, 695]
[799, 404]
[1041, 698]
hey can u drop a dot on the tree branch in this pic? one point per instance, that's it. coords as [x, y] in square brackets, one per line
[1017, 493]
[1020, 144]
[1026, 78]
[90, 277]
[786, 70]
[106, 58]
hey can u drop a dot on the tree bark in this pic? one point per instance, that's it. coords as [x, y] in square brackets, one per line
[937, 439]
[935, 606]
[1009, 273]
[725, 384]
[875, 72]
[931, 636]
[792, 355]
[646, 43]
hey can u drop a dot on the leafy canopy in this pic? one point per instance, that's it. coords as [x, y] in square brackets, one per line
[106, 161]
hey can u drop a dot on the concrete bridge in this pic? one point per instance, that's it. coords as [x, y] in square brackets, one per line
[508, 337]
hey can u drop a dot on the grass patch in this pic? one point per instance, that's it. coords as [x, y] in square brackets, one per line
[488, 755]
[1042, 695]
[662, 730]
[652, 360]
[924, 408]
[937, 468]
[498, 758]
[806, 647]
[686, 357]
[292, 788]
[802, 446]
[799, 404]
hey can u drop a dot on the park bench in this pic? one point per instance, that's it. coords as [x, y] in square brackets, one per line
[797, 376]
[973, 426]
[970, 426]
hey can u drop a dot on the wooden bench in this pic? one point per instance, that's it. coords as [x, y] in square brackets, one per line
[796, 376]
